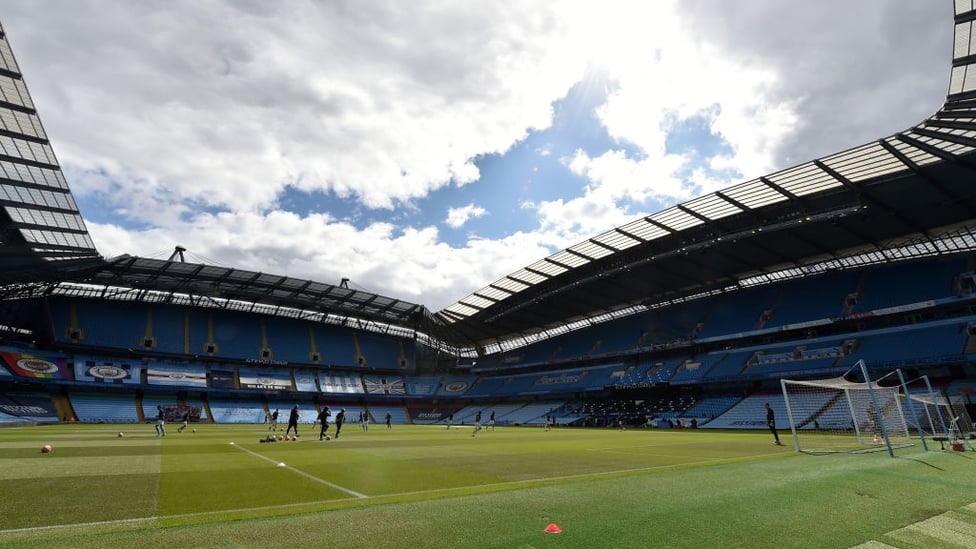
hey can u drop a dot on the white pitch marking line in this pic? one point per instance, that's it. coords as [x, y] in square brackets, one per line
[303, 473]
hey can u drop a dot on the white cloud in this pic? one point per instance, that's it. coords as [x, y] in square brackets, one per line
[457, 217]
[187, 120]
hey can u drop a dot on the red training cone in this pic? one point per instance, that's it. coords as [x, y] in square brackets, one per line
[553, 528]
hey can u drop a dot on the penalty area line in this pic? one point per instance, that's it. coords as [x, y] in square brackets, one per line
[302, 473]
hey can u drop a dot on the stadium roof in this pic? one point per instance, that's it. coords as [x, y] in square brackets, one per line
[907, 195]
[41, 231]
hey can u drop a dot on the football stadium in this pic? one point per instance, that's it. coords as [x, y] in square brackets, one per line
[787, 362]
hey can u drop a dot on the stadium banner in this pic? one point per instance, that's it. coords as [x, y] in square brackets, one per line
[456, 386]
[561, 378]
[422, 386]
[275, 380]
[161, 373]
[305, 381]
[389, 385]
[348, 384]
[36, 365]
[432, 414]
[223, 379]
[33, 408]
[107, 370]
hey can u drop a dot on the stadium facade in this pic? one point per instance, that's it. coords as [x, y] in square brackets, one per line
[866, 254]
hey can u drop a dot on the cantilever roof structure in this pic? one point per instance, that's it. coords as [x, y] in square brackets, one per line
[906, 195]
[909, 193]
[41, 230]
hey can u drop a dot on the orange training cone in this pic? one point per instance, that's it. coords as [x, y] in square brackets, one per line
[553, 528]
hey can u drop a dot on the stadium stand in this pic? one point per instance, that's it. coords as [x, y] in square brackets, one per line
[105, 408]
[694, 312]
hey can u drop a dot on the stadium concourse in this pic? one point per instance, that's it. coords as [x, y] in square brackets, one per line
[690, 316]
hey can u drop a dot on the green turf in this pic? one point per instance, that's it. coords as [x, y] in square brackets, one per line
[432, 487]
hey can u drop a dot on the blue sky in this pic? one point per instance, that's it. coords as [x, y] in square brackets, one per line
[425, 149]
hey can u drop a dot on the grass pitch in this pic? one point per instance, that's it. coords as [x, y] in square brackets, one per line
[425, 486]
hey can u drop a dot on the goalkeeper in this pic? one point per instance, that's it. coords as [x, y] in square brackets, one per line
[771, 423]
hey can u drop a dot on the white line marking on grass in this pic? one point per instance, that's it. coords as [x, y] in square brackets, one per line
[78, 525]
[302, 473]
[539, 480]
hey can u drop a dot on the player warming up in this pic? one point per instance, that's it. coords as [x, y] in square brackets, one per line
[274, 421]
[292, 421]
[324, 420]
[771, 423]
[477, 423]
[339, 420]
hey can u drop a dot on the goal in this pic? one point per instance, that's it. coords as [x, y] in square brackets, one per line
[840, 415]
[940, 415]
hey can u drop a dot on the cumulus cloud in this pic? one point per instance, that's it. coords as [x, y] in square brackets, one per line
[185, 122]
[457, 217]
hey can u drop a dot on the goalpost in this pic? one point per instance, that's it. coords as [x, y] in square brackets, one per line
[837, 415]
[942, 416]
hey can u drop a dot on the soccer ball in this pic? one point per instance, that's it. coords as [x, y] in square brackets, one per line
[46, 449]
[121, 434]
[328, 437]
[194, 429]
[280, 437]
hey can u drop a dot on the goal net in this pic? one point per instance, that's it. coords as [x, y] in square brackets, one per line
[838, 415]
[938, 413]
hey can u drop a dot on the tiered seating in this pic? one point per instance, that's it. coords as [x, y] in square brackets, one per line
[100, 408]
[398, 415]
[930, 342]
[19, 408]
[534, 413]
[750, 413]
[242, 411]
[150, 402]
[711, 407]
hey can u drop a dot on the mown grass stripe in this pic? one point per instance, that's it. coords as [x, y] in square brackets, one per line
[302, 473]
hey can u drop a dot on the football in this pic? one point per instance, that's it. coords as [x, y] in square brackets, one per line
[194, 429]
[328, 437]
[46, 448]
[121, 434]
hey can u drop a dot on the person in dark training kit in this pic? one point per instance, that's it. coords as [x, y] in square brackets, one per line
[389, 418]
[324, 420]
[339, 420]
[292, 421]
[477, 423]
[186, 421]
[160, 422]
[771, 423]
